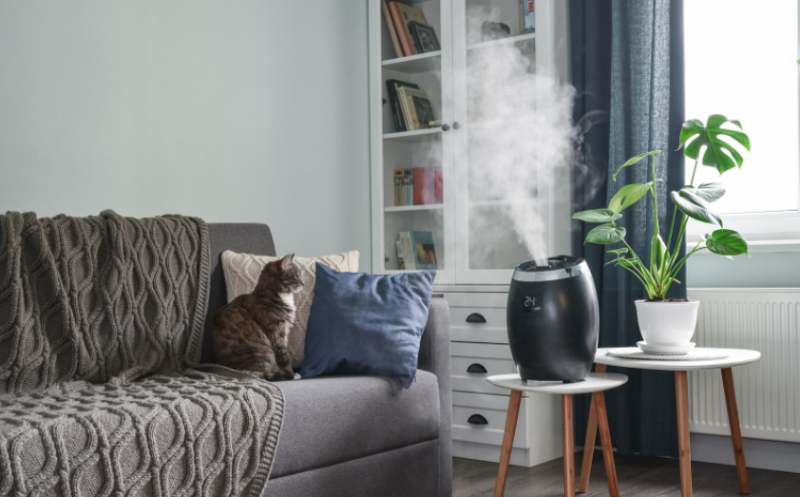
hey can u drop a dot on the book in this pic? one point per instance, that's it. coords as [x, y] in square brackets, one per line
[405, 251]
[424, 185]
[438, 186]
[416, 108]
[387, 16]
[408, 187]
[528, 17]
[407, 108]
[399, 198]
[424, 250]
[402, 14]
[423, 109]
[392, 85]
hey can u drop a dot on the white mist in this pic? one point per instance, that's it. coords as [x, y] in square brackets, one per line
[521, 139]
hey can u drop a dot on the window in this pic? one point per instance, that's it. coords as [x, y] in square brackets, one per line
[741, 60]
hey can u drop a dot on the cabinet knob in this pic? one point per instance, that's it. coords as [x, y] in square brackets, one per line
[445, 127]
[476, 318]
[477, 419]
[456, 125]
[476, 368]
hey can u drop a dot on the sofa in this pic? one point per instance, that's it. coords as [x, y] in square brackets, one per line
[108, 384]
[353, 436]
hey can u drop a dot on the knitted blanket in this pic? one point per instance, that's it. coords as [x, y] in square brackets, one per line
[100, 319]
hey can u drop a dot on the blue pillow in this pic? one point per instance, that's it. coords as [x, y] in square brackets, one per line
[367, 324]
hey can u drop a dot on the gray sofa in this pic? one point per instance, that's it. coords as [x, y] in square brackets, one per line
[354, 436]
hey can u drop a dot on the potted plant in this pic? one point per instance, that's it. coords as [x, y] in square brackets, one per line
[667, 325]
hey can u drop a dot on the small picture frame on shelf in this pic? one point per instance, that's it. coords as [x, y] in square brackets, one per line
[425, 39]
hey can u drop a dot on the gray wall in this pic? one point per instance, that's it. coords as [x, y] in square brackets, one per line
[246, 110]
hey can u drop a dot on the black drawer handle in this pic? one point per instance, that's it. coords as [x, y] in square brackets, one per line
[476, 368]
[477, 419]
[475, 318]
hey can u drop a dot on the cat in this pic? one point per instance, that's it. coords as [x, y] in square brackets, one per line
[252, 331]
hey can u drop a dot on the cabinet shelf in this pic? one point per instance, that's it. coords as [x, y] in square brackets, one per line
[412, 135]
[423, 62]
[413, 208]
[509, 40]
[502, 203]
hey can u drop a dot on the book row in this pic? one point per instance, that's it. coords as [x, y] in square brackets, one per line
[408, 29]
[418, 186]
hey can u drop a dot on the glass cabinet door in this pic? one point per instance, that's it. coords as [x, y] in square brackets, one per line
[506, 182]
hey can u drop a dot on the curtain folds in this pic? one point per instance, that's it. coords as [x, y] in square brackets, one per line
[627, 62]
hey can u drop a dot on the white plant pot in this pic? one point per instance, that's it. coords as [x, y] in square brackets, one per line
[667, 325]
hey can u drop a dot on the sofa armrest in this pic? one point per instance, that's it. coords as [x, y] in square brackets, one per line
[434, 356]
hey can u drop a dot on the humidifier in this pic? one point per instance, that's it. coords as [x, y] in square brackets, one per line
[553, 319]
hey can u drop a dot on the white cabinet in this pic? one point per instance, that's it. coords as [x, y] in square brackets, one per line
[464, 230]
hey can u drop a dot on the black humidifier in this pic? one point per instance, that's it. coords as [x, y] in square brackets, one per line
[553, 319]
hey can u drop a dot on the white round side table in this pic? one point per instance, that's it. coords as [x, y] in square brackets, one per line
[729, 358]
[595, 384]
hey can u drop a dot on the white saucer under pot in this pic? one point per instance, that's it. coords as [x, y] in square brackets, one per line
[664, 350]
[667, 325]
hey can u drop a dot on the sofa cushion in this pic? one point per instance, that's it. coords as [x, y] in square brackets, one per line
[336, 419]
[367, 324]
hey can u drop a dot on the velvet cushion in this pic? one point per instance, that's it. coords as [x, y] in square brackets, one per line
[367, 324]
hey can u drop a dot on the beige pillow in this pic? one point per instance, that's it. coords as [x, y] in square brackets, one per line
[241, 275]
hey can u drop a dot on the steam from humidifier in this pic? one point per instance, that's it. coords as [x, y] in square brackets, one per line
[521, 137]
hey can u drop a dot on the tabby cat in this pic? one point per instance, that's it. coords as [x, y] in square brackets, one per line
[252, 332]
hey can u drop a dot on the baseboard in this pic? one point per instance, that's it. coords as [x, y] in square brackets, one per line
[764, 454]
[491, 453]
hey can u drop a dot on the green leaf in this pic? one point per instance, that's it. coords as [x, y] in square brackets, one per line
[606, 234]
[657, 250]
[726, 242]
[618, 251]
[628, 195]
[633, 161]
[597, 216]
[693, 206]
[710, 192]
[717, 140]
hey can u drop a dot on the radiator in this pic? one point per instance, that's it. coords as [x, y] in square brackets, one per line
[768, 392]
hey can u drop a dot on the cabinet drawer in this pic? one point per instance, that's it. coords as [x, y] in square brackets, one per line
[475, 299]
[471, 363]
[478, 317]
[478, 324]
[481, 418]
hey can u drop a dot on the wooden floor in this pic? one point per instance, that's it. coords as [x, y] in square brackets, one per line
[640, 477]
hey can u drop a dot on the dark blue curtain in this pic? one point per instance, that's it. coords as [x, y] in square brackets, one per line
[627, 65]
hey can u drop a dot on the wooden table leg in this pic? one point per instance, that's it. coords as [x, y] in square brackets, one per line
[736, 431]
[599, 401]
[684, 445]
[569, 446]
[588, 449]
[508, 440]
[589, 442]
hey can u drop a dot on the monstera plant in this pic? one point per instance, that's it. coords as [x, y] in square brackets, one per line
[668, 325]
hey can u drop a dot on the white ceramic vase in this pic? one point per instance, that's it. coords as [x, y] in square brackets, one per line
[667, 325]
